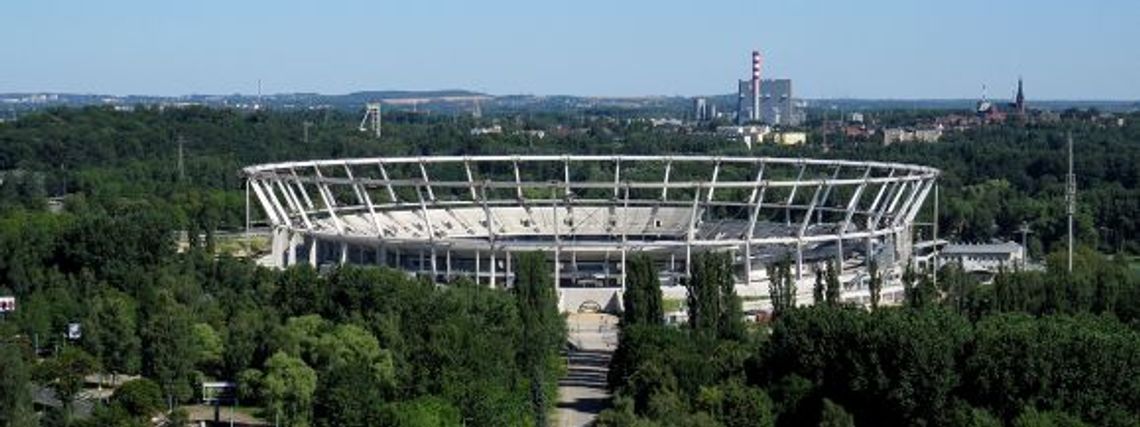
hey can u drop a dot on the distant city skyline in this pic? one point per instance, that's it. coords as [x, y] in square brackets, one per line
[892, 49]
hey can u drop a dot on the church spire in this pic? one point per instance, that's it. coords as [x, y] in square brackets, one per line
[1019, 101]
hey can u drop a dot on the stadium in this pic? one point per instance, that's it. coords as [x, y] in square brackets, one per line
[446, 217]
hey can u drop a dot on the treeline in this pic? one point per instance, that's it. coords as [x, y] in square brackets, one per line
[353, 346]
[996, 177]
[1028, 351]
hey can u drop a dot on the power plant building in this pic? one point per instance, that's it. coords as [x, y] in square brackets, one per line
[767, 101]
[703, 110]
[776, 104]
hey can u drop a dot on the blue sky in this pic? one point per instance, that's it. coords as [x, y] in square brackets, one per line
[864, 49]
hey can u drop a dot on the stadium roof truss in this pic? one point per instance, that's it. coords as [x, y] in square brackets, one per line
[621, 202]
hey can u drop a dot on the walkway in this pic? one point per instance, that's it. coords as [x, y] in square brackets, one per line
[582, 393]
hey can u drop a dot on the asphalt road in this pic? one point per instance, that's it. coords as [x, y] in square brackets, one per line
[582, 393]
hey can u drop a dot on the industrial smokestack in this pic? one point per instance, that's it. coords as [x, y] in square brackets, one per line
[755, 85]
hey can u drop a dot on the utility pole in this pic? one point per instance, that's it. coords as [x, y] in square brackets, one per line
[1071, 198]
[181, 161]
[823, 128]
[1024, 230]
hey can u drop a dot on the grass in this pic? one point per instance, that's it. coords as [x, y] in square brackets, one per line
[671, 305]
[247, 415]
[236, 245]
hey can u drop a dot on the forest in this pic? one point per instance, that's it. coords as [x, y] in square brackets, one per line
[93, 203]
[995, 178]
[1034, 349]
[351, 347]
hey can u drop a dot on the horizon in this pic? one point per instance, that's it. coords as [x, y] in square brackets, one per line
[891, 50]
[495, 95]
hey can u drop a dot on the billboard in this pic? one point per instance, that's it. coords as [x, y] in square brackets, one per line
[74, 331]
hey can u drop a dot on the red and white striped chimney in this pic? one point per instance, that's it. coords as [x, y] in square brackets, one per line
[755, 85]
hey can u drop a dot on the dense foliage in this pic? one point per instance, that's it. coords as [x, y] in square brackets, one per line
[355, 346]
[1029, 350]
[995, 177]
[358, 346]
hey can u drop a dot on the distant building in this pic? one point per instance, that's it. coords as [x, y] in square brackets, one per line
[752, 134]
[703, 110]
[893, 135]
[533, 133]
[789, 138]
[988, 112]
[777, 104]
[496, 129]
[700, 109]
[857, 131]
[665, 122]
[856, 118]
[1019, 99]
[983, 258]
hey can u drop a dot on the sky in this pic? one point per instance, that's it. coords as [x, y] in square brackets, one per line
[897, 49]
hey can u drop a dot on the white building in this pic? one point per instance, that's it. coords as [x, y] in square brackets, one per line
[751, 134]
[789, 138]
[493, 130]
[989, 257]
[893, 135]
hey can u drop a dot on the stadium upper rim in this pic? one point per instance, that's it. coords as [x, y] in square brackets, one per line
[599, 201]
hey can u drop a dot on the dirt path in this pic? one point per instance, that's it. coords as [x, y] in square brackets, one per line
[582, 393]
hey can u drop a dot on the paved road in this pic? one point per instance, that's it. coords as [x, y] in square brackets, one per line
[582, 393]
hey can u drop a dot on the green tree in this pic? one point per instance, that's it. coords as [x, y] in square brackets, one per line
[833, 415]
[66, 373]
[110, 332]
[140, 397]
[875, 284]
[714, 308]
[542, 329]
[833, 285]
[423, 412]
[352, 345]
[781, 287]
[168, 346]
[642, 298]
[15, 397]
[349, 395]
[745, 406]
[244, 337]
[817, 291]
[289, 385]
[730, 321]
[208, 348]
[966, 416]
[703, 296]
[1031, 417]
